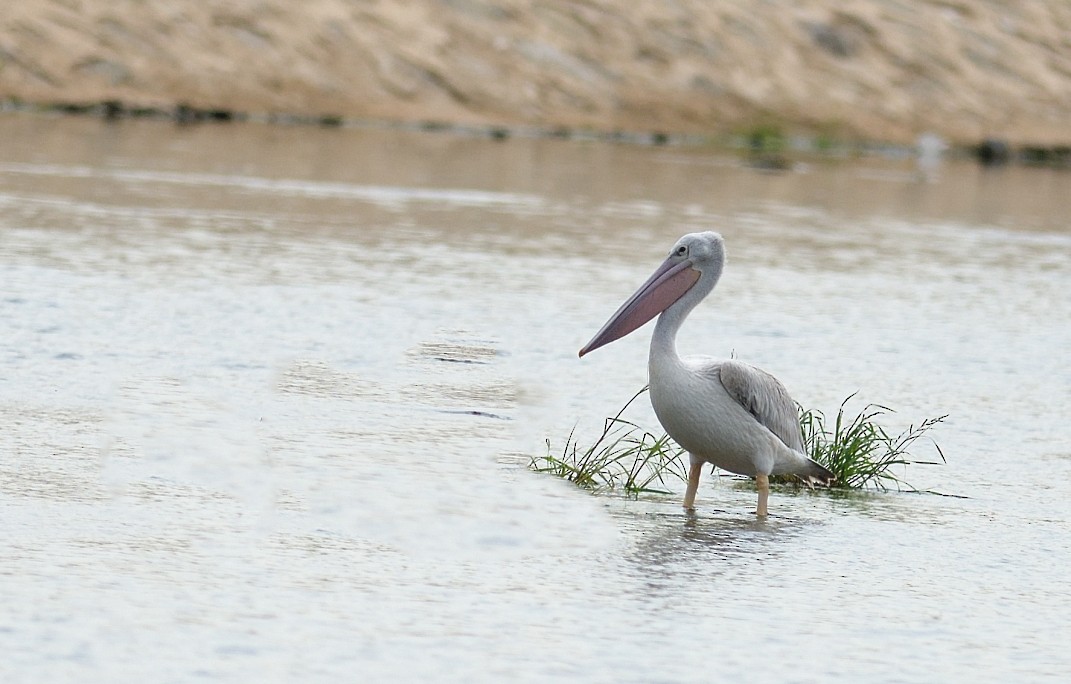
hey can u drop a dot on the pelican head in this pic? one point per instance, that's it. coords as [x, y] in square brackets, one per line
[687, 275]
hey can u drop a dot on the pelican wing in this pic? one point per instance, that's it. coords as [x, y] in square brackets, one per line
[763, 396]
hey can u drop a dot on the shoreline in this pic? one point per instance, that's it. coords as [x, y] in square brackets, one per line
[768, 147]
[850, 72]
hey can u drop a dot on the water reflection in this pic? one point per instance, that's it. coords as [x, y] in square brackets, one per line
[673, 546]
[893, 506]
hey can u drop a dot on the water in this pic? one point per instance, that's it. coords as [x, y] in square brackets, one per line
[268, 393]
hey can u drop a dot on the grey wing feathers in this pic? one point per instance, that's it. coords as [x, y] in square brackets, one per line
[764, 397]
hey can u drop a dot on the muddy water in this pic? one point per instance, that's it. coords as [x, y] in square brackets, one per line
[266, 397]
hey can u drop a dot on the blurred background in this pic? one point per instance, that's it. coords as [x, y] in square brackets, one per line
[877, 70]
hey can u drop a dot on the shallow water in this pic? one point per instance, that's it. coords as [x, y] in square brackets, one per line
[267, 396]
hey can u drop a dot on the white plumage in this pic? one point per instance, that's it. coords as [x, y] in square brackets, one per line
[727, 413]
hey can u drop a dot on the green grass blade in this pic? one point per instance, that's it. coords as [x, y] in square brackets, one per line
[858, 450]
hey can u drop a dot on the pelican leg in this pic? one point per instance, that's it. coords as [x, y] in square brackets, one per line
[762, 481]
[694, 471]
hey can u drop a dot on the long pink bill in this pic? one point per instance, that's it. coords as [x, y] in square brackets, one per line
[662, 289]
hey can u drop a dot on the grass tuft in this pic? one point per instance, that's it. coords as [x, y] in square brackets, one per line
[625, 457]
[858, 451]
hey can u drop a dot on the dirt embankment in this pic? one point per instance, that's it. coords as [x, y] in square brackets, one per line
[884, 70]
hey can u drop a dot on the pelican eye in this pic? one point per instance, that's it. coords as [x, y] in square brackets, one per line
[681, 251]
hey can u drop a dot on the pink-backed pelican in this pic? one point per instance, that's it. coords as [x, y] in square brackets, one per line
[727, 413]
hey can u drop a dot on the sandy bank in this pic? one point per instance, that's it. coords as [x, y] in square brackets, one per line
[884, 70]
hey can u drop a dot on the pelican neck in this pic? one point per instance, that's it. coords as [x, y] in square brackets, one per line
[664, 339]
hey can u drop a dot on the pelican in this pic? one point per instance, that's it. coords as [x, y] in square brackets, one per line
[727, 413]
